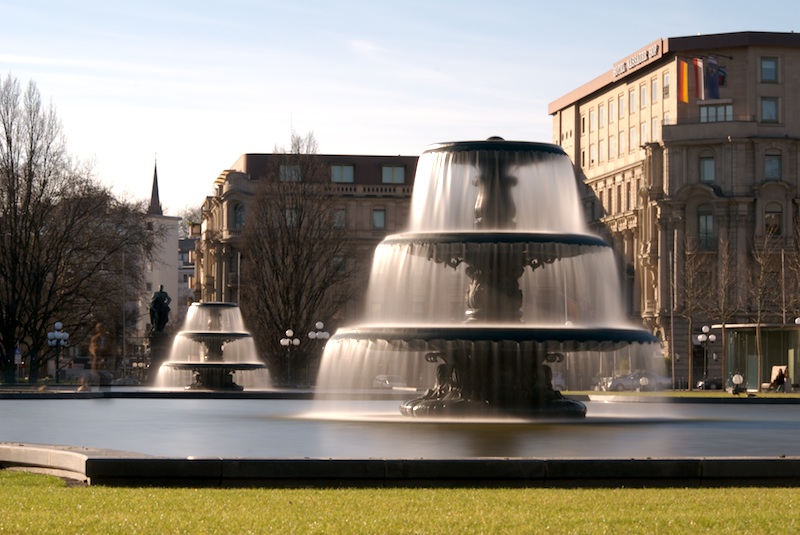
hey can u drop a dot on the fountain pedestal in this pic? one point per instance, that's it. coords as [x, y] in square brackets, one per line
[160, 345]
[473, 385]
[213, 376]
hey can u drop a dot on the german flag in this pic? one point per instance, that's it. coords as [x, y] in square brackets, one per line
[683, 81]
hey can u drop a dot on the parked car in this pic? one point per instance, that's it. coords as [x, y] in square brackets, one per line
[710, 383]
[634, 381]
[125, 381]
[388, 381]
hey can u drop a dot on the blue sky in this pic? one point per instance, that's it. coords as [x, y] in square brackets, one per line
[198, 83]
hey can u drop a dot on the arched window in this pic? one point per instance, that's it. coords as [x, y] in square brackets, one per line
[705, 227]
[773, 219]
[238, 217]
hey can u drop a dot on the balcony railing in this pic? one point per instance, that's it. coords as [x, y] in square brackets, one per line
[230, 233]
[382, 190]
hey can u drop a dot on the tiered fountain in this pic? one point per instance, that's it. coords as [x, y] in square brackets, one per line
[211, 348]
[500, 222]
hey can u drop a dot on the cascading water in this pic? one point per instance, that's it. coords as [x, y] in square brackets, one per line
[212, 347]
[496, 287]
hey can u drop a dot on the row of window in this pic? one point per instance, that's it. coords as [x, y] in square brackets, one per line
[712, 113]
[769, 73]
[378, 218]
[617, 199]
[345, 173]
[773, 224]
[773, 168]
[719, 113]
[607, 113]
[616, 145]
[339, 217]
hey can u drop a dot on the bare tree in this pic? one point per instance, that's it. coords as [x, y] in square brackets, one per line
[190, 215]
[724, 304]
[62, 232]
[764, 290]
[696, 277]
[299, 265]
[792, 260]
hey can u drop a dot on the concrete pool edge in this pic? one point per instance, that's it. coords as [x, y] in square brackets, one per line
[114, 468]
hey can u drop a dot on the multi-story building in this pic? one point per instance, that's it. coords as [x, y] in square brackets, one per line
[688, 150]
[374, 194]
[186, 248]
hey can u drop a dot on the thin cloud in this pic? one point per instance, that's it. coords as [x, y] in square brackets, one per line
[364, 48]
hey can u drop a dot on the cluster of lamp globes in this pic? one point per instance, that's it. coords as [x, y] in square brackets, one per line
[705, 337]
[319, 334]
[57, 338]
[737, 379]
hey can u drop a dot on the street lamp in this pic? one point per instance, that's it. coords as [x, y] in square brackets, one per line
[57, 339]
[288, 342]
[705, 338]
[319, 334]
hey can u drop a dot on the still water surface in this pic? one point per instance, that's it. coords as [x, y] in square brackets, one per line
[374, 429]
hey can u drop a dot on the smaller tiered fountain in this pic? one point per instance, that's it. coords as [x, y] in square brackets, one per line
[212, 347]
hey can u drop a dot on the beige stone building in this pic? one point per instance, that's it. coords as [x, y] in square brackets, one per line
[374, 196]
[688, 149]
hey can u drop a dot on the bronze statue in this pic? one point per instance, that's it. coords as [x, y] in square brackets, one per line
[100, 347]
[159, 310]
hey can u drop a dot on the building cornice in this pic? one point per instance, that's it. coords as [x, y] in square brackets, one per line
[661, 51]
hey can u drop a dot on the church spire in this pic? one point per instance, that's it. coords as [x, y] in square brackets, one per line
[155, 203]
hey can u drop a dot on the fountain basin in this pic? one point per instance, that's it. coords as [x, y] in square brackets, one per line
[564, 338]
[214, 366]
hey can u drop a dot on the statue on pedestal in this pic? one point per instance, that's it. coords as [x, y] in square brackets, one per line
[159, 310]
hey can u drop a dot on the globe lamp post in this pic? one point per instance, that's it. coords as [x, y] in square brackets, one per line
[705, 338]
[57, 339]
[288, 342]
[318, 334]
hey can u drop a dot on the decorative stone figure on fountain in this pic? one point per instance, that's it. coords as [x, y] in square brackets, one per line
[159, 310]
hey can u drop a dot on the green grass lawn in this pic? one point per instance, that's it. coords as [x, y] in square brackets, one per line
[33, 503]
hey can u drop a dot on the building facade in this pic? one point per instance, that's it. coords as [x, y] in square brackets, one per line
[373, 200]
[688, 153]
[186, 248]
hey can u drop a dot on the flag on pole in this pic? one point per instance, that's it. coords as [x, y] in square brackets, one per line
[713, 78]
[683, 81]
[699, 79]
[722, 76]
